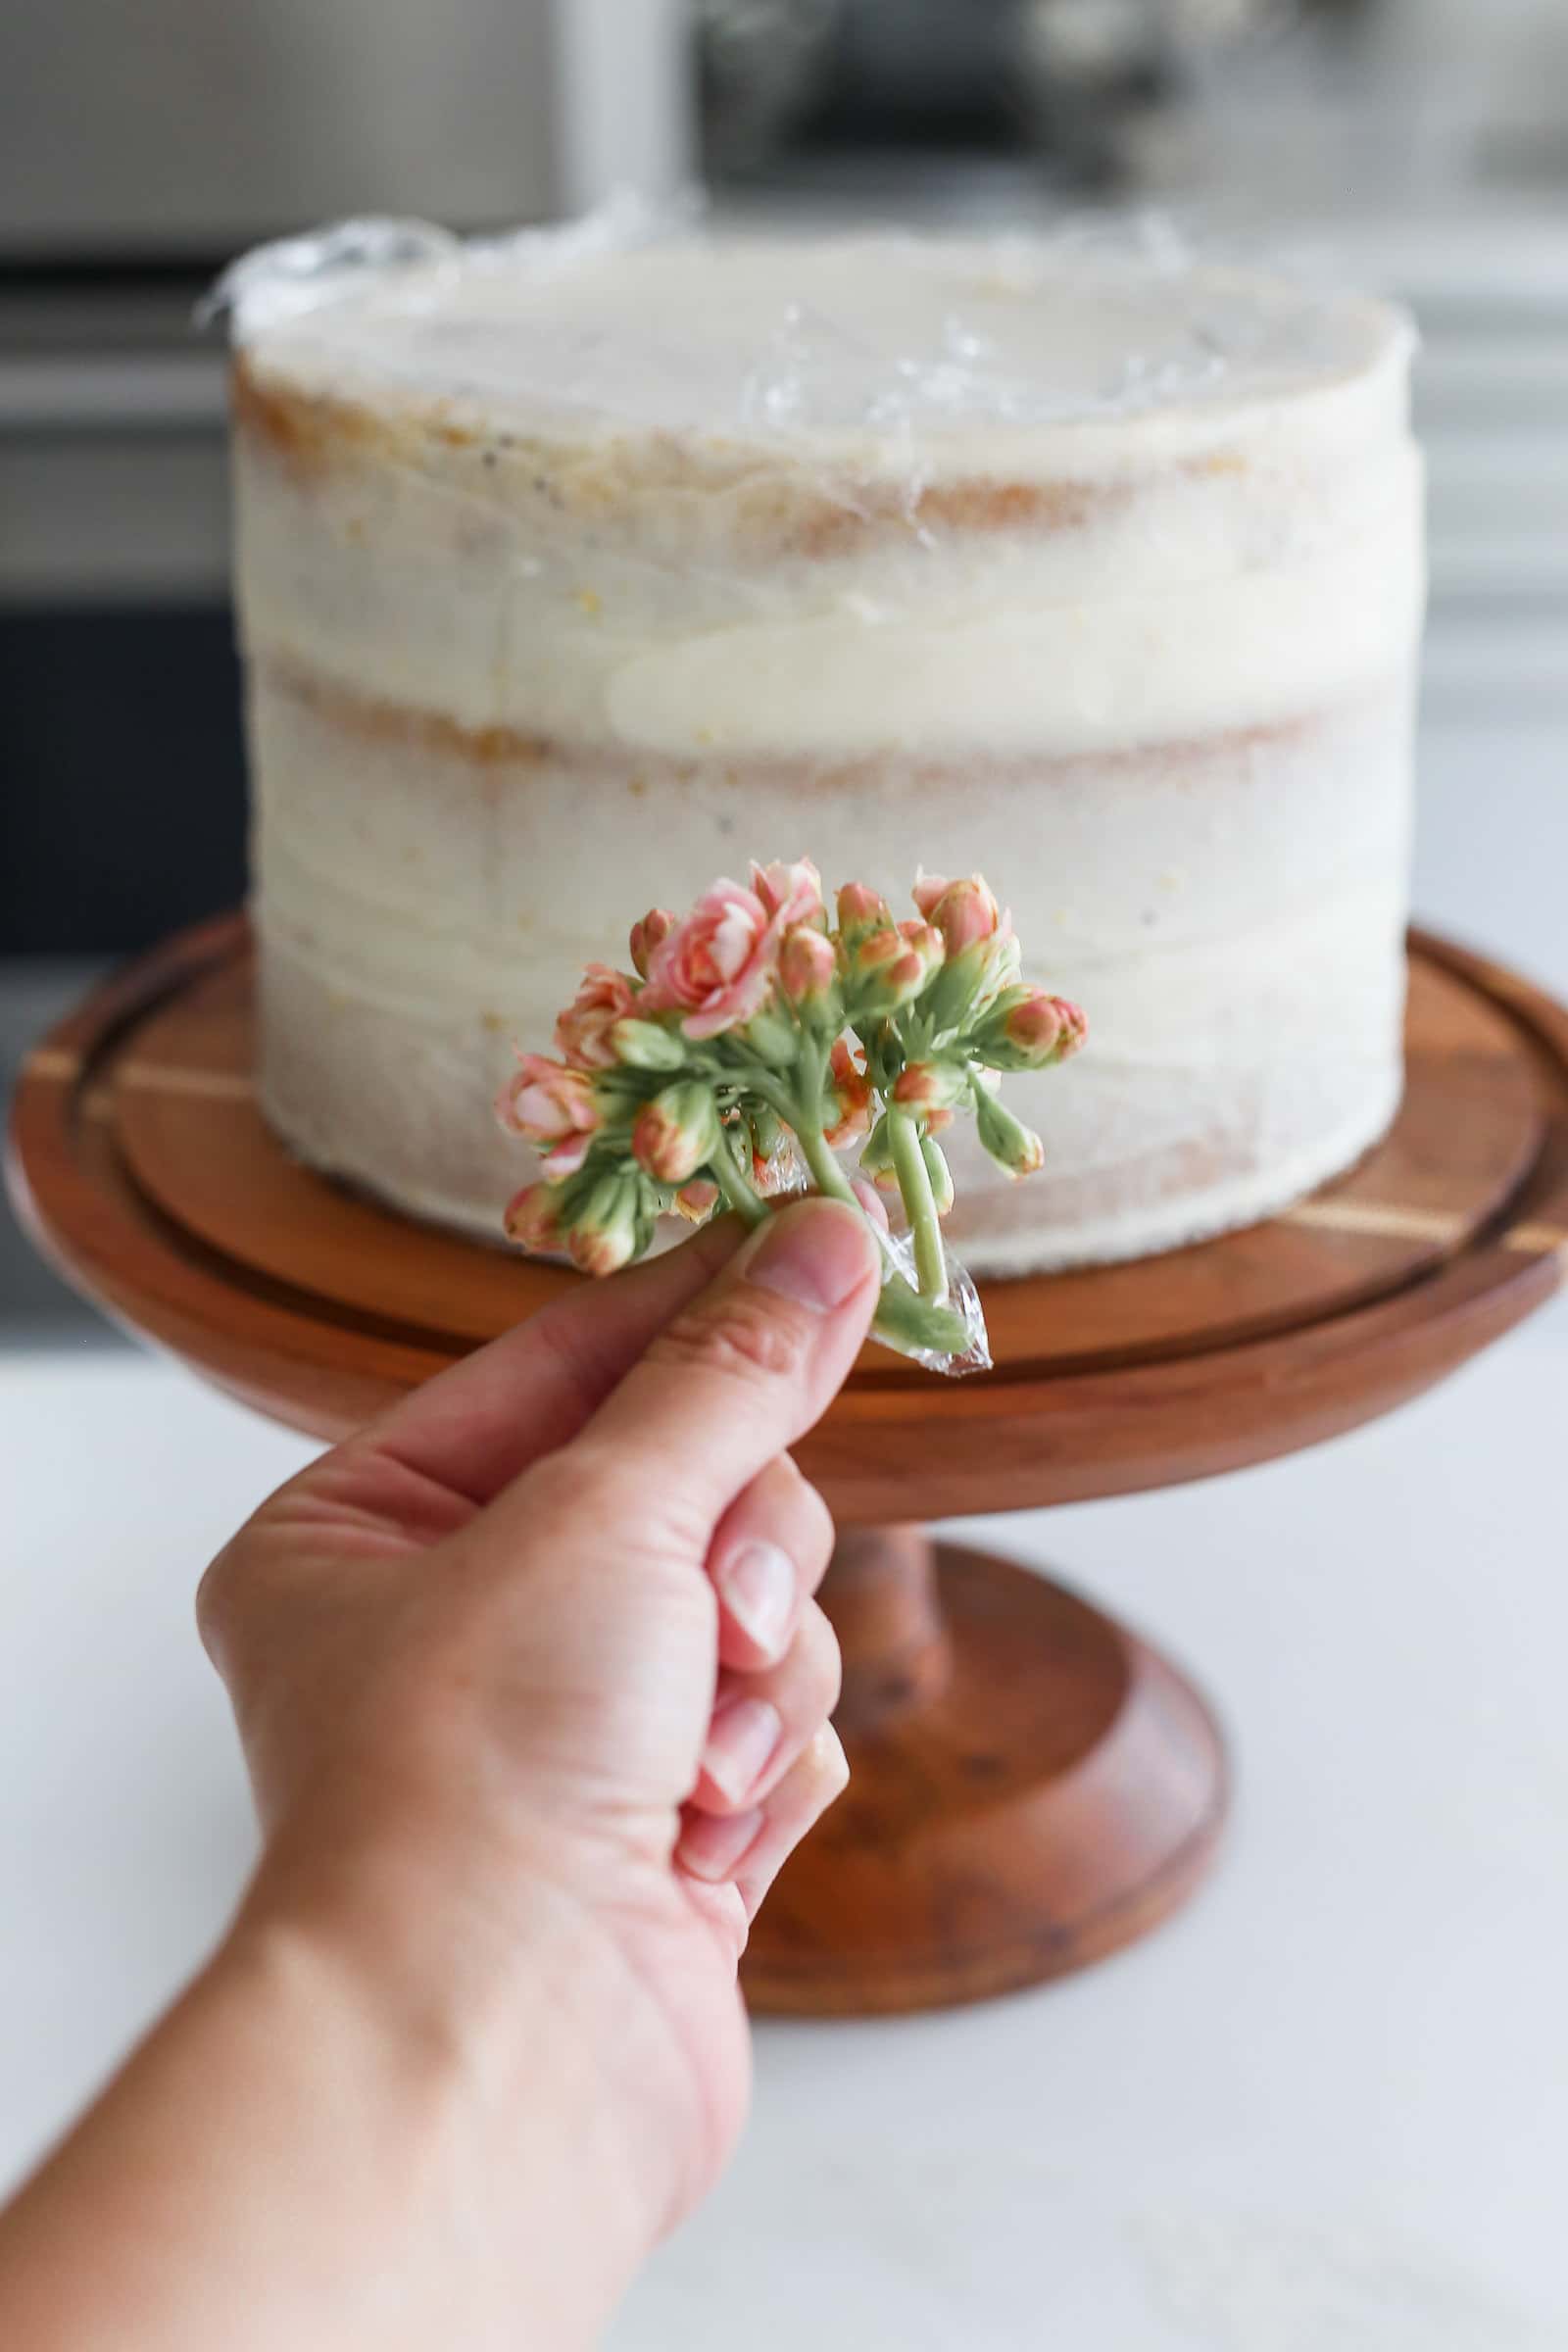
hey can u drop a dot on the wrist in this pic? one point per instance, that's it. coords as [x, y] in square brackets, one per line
[320, 2145]
[468, 2042]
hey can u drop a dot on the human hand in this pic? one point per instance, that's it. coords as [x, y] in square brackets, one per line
[534, 1695]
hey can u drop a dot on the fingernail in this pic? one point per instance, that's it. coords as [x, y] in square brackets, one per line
[712, 1843]
[817, 1253]
[741, 1738]
[758, 1586]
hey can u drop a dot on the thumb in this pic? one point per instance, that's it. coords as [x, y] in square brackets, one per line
[748, 1365]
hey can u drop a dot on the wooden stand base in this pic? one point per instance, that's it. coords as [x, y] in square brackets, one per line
[1031, 1788]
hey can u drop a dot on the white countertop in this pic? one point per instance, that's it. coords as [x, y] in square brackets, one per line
[1324, 2111]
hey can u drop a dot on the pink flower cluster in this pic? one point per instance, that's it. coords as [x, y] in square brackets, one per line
[757, 1016]
[710, 972]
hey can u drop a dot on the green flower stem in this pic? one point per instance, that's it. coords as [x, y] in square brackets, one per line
[919, 1206]
[737, 1191]
[903, 1318]
[822, 1161]
[806, 1125]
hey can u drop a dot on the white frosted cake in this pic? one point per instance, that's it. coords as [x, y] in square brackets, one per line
[573, 575]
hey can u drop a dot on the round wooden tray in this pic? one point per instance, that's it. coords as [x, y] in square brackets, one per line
[1032, 1786]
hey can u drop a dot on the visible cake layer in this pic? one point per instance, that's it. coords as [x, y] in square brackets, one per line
[1232, 912]
[1170, 616]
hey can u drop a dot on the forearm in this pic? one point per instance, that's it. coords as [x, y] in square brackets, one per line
[294, 2158]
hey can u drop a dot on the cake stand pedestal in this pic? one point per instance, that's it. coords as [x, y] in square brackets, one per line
[1032, 1786]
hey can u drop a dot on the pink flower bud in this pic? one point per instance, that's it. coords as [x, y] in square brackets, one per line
[530, 1218]
[861, 910]
[1026, 1029]
[696, 1202]
[601, 1250]
[888, 970]
[604, 1235]
[807, 967]
[1033, 1025]
[963, 913]
[655, 925]
[931, 1085]
[1011, 1144]
[1044, 1029]
[791, 893]
[583, 1030]
[676, 1132]
[545, 1103]
[849, 1096]
[928, 890]
[1074, 1028]
[926, 941]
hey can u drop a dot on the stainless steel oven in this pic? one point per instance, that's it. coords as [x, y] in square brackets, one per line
[139, 148]
[180, 128]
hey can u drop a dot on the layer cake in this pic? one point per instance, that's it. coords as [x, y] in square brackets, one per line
[574, 573]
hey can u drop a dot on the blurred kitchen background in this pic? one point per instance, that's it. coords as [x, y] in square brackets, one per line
[1418, 145]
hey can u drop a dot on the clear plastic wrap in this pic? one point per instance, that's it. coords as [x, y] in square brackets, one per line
[293, 276]
[864, 357]
[974, 1353]
[786, 1177]
[784, 1173]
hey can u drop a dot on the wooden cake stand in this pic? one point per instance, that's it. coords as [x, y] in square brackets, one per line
[1032, 1786]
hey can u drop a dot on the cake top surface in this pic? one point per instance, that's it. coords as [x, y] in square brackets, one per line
[849, 342]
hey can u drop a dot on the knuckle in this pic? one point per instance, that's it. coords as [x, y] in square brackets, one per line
[743, 1336]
